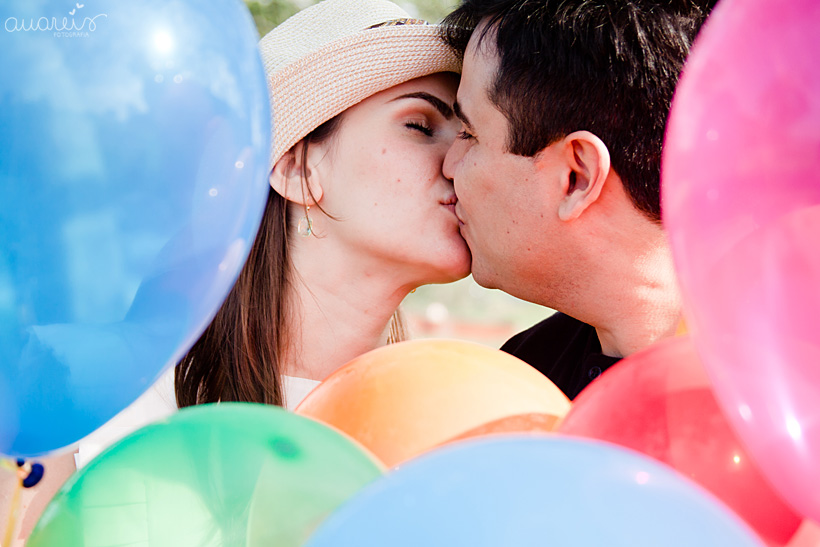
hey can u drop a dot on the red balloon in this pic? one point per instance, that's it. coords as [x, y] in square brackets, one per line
[660, 402]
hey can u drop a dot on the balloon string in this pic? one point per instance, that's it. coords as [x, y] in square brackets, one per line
[14, 506]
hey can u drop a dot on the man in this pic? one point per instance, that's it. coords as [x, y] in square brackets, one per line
[557, 169]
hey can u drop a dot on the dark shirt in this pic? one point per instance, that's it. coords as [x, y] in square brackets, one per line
[564, 349]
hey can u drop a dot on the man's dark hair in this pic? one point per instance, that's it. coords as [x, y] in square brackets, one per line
[606, 66]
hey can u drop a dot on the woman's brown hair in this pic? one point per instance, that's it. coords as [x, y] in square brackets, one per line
[239, 356]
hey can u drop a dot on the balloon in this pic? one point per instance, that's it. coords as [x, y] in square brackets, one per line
[533, 491]
[741, 201]
[519, 423]
[9, 421]
[660, 402]
[134, 149]
[403, 399]
[808, 535]
[223, 474]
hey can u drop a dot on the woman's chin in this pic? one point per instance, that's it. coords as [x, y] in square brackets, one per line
[461, 266]
[454, 265]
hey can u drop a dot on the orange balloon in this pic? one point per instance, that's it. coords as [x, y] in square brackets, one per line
[520, 423]
[404, 399]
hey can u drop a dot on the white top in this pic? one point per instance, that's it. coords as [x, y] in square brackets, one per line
[159, 402]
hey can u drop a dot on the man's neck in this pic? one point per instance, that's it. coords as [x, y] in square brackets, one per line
[643, 303]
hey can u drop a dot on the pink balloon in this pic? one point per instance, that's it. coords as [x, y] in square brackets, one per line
[741, 202]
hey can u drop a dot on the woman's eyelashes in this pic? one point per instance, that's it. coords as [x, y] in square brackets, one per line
[420, 126]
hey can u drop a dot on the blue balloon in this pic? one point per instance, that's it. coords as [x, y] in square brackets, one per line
[528, 491]
[134, 150]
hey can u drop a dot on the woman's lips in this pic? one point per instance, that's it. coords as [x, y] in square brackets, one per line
[450, 203]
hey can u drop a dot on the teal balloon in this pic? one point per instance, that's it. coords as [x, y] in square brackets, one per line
[134, 149]
[533, 492]
[215, 475]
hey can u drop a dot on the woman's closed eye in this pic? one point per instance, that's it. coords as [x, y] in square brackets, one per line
[422, 127]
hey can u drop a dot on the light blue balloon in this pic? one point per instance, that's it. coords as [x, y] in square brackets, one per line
[134, 149]
[529, 492]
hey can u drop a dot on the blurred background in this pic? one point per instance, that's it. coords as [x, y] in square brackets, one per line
[462, 310]
[269, 13]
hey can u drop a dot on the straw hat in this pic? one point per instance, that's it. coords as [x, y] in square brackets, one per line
[332, 55]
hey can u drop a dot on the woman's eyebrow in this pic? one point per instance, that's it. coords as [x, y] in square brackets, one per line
[440, 105]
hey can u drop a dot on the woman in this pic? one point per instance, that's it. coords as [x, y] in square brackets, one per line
[359, 213]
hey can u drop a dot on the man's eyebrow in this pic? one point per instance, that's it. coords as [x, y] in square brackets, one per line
[461, 116]
[440, 105]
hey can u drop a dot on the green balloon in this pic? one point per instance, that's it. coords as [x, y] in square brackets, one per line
[212, 475]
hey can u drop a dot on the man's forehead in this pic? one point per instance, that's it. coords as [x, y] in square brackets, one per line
[483, 41]
[481, 57]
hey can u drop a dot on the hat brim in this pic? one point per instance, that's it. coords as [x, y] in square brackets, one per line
[343, 73]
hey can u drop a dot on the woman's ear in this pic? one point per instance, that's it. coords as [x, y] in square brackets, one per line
[286, 177]
[589, 165]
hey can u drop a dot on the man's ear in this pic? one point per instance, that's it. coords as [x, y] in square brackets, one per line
[589, 164]
[286, 177]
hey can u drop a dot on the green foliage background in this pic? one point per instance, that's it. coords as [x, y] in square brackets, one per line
[269, 13]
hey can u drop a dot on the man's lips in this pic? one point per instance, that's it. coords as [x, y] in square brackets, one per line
[458, 216]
